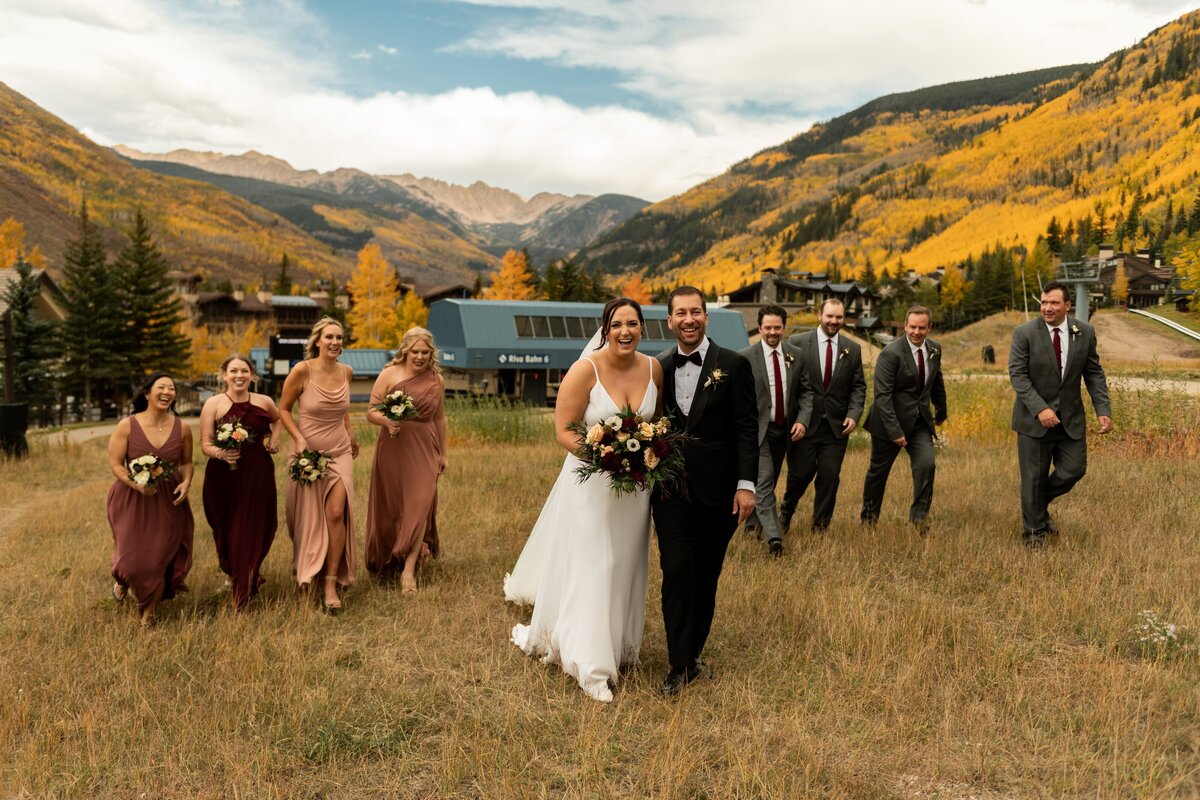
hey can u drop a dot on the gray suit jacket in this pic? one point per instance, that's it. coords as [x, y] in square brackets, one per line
[1033, 372]
[797, 393]
[899, 401]
[847, 392]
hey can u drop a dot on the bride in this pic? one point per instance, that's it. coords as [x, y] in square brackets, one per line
[584, 566]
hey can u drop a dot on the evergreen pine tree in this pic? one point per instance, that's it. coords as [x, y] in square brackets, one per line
[34, 344]
[91, 363]
[1193, 222]
[150, 312]
[283, 278]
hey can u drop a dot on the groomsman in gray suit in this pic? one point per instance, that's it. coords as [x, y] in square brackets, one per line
[908, 377]
[1047, 362]
[784, 399]
[833, 364]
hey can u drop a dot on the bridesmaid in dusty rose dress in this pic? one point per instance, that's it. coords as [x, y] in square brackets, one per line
[319, 515]
[239, 485]
[409, 457]
[152, 525]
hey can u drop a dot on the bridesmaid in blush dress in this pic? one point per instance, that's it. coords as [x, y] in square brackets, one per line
[319, 515]
[409, 457]
[239, 485]
[152, 525]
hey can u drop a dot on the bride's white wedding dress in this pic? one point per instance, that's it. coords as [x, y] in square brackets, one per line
[584, 568]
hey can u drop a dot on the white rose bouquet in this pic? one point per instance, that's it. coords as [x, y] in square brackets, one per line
[398, 407]
[635, 453]
[231, 434]
[149, 469]
[309, 467]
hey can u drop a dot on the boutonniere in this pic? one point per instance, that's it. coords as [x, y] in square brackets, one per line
[1074, 331]
[933, 353]
[845, 352]
[714, 378]
[789, 359]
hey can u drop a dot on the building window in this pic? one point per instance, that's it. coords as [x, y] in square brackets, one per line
[656, 329]
[558, 327]
[524, 327]
[575, 328]
[541, 327]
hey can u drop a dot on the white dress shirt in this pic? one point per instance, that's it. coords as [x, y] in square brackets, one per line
[924, 350]
[767, 351]
[1064, 335]
[687, 379]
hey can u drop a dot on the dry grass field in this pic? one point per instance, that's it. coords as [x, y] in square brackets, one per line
[864, 664]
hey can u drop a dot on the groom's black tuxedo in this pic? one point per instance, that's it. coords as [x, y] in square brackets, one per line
[693, 531]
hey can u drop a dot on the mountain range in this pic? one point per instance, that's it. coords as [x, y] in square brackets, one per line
[930, 178]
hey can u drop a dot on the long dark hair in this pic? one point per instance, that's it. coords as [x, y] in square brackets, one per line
[142, 402]
[610, 309]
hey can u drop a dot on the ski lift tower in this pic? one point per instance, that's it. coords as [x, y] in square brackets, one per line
[1082, 275]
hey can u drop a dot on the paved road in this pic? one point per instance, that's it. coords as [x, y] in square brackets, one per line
[104, 430]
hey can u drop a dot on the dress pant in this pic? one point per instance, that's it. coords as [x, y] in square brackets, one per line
[819, 454]
[770, 459]
[692, 539]
[1040, 486]
[883, 454]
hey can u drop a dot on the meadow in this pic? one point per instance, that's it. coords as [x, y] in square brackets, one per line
[866, 663]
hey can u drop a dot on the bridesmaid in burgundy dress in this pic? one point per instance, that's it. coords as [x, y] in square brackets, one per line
[152, 525]
[239, 485]
[319, 515]
[409, 457]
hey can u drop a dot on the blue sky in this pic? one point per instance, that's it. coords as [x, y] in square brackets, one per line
[643, 97]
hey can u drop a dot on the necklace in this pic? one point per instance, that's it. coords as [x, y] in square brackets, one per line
[158, 426]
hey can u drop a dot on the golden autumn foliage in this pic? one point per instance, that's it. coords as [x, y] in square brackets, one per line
[513, 280]
[12, 246]
[413, 313]
[374, 297]
[210, 346]
[1120, 286]
[635, 289]
[954, 287]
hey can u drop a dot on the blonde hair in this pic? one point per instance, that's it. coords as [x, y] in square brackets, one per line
[411, 337]
[310, 346]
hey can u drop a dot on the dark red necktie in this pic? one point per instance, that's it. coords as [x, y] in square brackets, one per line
[921, 365]
[1058, 350]
[828, 362]
[778, 389]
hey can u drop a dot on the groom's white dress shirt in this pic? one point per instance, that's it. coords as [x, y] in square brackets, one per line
[924, 351]
[687, 380]
[1065, 340]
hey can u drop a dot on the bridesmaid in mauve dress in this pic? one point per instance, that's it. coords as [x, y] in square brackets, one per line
[409, 457]
[152, 525]
[239, 485]
[319, 515]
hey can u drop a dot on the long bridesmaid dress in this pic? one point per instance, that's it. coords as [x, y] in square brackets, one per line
[322, 423]
[152, 539]
[240, 504]
[402, 511]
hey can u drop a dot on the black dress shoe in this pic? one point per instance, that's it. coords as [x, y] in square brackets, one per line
[676, 680]
[775, 548]
[1050, 526]
[1034, 540]
[703, 670]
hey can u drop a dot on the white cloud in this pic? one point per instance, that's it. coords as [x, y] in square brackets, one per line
[361, 55]
[391, 51]
[156, 77]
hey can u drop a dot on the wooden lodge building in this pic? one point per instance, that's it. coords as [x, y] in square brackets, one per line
[803, 293]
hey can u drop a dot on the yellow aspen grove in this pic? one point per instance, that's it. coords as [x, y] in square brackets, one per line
[635, 289]
[1120, 287]
[954, 288]
[12, 246]
[373, 299]
[413, 313]
[513, 281]
[210, 346]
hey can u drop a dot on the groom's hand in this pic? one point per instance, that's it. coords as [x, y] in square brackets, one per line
[798, 431]
[1048, 418]
[743, 504]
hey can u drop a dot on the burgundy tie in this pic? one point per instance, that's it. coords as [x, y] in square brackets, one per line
[778, 389]
[921, 366]
[1058, 350]
[828, 362]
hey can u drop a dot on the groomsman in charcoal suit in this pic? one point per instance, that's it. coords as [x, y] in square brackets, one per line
[710, 391]
[908, 376]
[784, 406]
[833, 364]
[1048, 359]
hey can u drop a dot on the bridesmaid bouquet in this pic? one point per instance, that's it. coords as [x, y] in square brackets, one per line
[635, 454]
[149, 469]
[397, 407]
[309, 467]
[231, 435]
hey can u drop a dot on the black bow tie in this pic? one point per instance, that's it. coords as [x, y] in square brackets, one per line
[680, 359]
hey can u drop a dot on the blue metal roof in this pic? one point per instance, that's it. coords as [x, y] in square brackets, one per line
[482, 334]
[366, 362]
[294, 301]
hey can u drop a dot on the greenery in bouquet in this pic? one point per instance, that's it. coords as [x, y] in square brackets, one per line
[397, 407]
[309, 466]
[635, 453]
[149, 469]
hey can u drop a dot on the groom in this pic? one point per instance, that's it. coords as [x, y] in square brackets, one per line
[710, 392]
